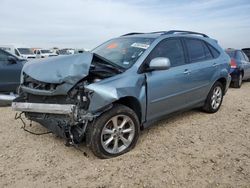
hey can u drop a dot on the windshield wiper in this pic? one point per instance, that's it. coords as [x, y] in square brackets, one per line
[109, 64]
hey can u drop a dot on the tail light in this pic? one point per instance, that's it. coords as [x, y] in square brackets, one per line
[233, 64]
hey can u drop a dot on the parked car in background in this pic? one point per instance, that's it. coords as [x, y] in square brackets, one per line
[10, 72]
[43, 53]
[22, 52]
[107, 95]
[240, 67]
[247, 52]
[11, 49]
[82, 50]
[65, 52]
[26, 53]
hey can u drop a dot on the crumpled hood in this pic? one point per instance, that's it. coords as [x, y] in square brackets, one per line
[69, 69]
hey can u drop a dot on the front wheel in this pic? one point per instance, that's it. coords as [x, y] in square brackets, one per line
[214, 98]
[114, 133]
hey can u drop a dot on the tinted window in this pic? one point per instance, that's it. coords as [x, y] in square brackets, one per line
[208, 54]
[245, 56]
[3, 58]
[170, 48]
[240, 56]
[197, 50]
[247, 52]
[214, 52]
[25, 51]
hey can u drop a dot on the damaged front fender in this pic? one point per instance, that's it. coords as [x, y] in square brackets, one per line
[112, 89]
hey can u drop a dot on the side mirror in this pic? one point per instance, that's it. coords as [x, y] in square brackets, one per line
[159, 63]
[11, 60]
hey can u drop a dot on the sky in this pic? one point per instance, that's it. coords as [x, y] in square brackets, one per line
[88, 23]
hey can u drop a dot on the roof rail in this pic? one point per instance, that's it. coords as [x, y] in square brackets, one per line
[134, 33]
[169, 32]
[186, 32]
[158, 32]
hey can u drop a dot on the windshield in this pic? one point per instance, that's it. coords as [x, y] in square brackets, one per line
[46, 51]
[123, 52]
[63, 52]
[25, 51]
[231, 53]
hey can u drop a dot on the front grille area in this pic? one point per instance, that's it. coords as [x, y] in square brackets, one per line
[59, 99]
[35, 84]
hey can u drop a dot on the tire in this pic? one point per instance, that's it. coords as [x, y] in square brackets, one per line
[214, 98]
[238, 82]
[107, 139]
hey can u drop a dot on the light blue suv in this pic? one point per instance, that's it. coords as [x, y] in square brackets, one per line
[108, 95]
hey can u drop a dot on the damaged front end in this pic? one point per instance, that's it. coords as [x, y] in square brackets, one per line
[54, 93]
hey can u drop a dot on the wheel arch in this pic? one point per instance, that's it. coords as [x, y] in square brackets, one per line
[223, 81]
[242, 71]
[132, 103]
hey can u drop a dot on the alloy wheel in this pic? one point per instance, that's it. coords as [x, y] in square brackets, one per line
[216, 97]
[117, 134]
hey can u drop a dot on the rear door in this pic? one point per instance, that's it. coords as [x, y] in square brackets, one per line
[168, 90]
[203, 66]
[9, 73]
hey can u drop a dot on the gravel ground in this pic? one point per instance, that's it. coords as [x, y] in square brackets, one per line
[192, 149]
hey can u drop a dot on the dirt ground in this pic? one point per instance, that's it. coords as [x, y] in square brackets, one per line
[193, 149]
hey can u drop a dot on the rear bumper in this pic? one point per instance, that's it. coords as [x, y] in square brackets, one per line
[66, 109]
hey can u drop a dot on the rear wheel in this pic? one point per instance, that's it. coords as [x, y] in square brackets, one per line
[114, 133]
[238, 82]
[214, 98]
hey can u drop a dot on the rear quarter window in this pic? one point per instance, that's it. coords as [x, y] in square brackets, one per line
[214, 51]
[198, 50]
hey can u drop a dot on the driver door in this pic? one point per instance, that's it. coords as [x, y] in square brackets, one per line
[168, 90]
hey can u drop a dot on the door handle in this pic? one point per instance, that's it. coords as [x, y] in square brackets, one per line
[186, 71]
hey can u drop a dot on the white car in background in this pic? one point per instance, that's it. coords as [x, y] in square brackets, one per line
[65, 51]
[26, 53]
[22, 52]
[43, 53]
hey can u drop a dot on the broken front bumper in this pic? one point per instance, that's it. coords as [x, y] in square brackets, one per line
[44, 108]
